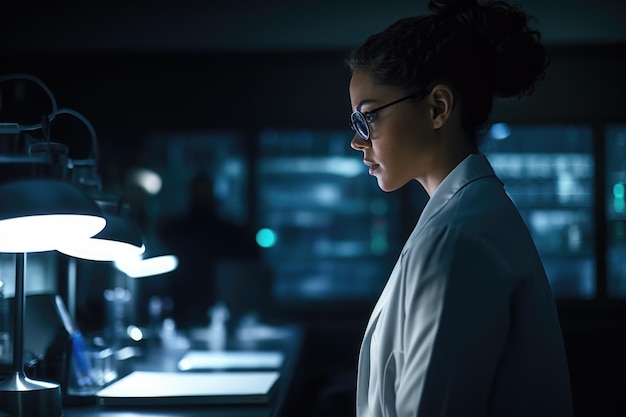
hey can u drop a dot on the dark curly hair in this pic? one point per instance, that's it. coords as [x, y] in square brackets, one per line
[481, 51]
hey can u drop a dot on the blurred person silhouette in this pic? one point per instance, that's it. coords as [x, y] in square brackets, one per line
[202, 240]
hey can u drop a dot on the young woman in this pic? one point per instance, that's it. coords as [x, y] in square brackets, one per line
[466, 324]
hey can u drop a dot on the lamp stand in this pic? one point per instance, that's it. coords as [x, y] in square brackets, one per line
[71, 288]
[21, 396]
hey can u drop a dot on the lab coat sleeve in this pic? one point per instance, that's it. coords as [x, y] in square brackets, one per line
[456, 318]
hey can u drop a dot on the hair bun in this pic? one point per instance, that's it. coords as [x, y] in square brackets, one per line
[449, 7]
[499, 36]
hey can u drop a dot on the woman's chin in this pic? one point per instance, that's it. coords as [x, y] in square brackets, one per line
[386, 186]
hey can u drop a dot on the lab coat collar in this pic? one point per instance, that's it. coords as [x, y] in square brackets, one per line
[473, 167]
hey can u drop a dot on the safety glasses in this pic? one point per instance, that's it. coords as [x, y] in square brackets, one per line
[360, 122]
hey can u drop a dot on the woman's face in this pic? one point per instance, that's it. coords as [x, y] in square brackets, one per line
[401, 144]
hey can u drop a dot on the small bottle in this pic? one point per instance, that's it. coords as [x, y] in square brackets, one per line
[217, 334]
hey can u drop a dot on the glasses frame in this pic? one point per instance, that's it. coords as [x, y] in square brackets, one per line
[367, 117]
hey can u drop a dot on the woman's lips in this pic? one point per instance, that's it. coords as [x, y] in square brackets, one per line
[373, 166]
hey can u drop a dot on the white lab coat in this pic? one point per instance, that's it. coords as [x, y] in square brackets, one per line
[466, 324]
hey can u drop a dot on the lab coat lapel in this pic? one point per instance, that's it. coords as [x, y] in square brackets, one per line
[470, 169]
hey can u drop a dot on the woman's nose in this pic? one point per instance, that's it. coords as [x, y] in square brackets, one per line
[358, 143]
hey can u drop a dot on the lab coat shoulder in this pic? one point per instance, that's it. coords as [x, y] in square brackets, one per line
[480, 335]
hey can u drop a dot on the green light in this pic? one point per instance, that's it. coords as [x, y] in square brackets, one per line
[618, 205]
[618, 191]
[379, 245]
[266, 238]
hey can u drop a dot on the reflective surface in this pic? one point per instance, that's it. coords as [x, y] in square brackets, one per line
[329, 233]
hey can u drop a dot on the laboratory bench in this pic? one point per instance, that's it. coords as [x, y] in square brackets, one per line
[160, 358]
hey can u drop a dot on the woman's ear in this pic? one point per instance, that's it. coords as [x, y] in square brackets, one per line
[442, 100]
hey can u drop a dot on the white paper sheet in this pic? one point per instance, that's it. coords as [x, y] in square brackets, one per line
[197, 360]
[154, 388]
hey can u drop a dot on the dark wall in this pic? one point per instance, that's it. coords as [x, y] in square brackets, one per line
[255, 89]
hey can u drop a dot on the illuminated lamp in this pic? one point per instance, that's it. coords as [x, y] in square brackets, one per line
[155, 261]
[38, 215]
[146, 267]
[39, 211]
[120, 238]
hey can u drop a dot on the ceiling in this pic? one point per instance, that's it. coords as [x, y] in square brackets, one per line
[219, 25]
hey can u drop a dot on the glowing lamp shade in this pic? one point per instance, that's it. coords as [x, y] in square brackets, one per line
[120, 238]
[38, 215]
[139, 268]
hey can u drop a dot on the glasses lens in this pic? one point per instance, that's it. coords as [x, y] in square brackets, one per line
[360, 125]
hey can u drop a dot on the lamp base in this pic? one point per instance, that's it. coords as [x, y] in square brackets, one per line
[21, 396]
